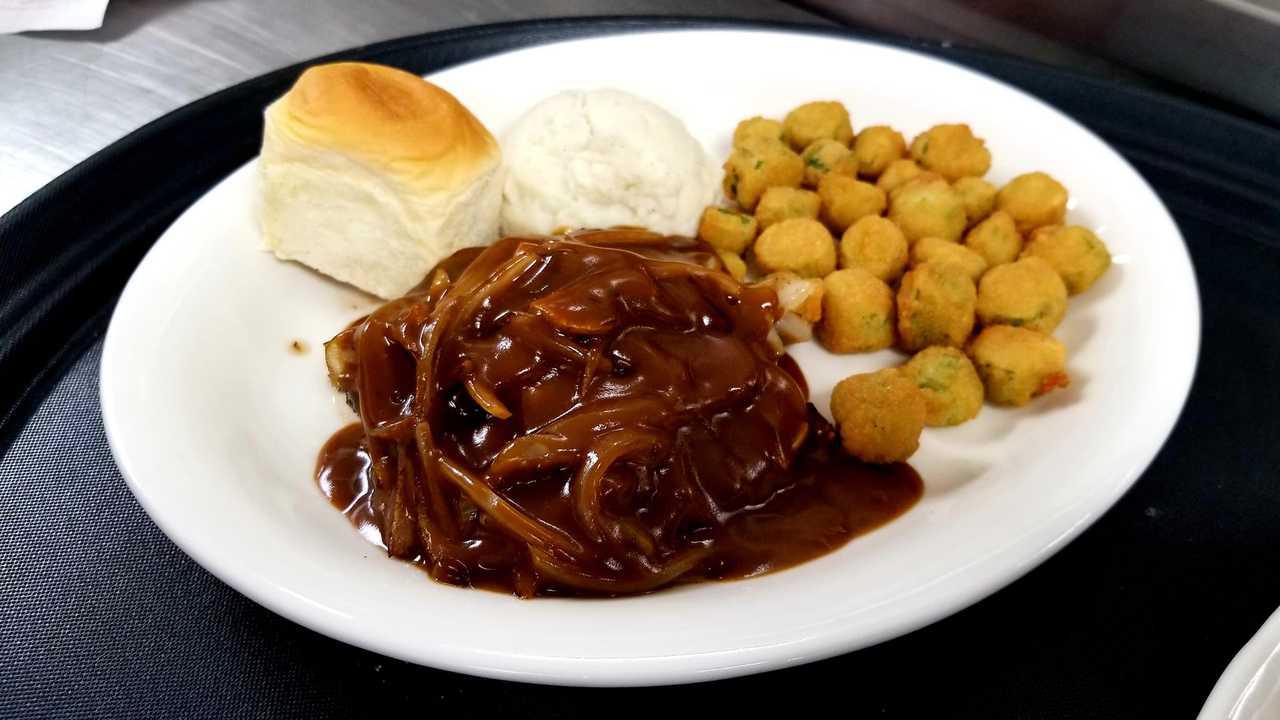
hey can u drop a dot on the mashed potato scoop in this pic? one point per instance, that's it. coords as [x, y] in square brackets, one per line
[600, 159]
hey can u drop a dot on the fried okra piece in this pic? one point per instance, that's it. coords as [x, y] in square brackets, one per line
[757, 165]
[824, 156]
[1033, 200]
[1026, 293]
[733, 264]
[846, 200]
[952, 389]
[857, 312]
[799, 245]
[876, 245]
[1079, 256]
[927, 207]
[800, 295]
[996, 239]
[952, 151]
[801, 302]
[815, 121]
[728, 230]
[935, 250]
[935, 307]
[757, 127]
[880, 415]
[898, 173]
[1017, 364]
[979, 198]
[875, 148]
[783, 203]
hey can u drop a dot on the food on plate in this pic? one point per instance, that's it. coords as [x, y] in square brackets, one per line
[927, 207]
[728, 230]
[800, 295]
[952, 389]
[875, 148]
[996, 239]
[757, 127]
[1025, 293]
[800, 245]
[783, 203]
[979, 197]
[934, 250]
[875, 245]
[815, 121]
[1033, 200]
[846, 199]
[952, 151]
[372, 175]
[733, 264]
[857, 312]
[935, 307]
[603, 158]
[1017, 364]
[606, 412]
[601, 413]
[823, 156]
[1076, 253]
[757, 165]
[879, 415]
[801, 302]
[897, 173]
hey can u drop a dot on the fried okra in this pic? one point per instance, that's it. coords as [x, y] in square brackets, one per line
[1033, 200]
[799, 245]
[783, 203]
[880, 415]
[952, 389]
[815, 121]
[733, 264]
[801, 302]
[1079, 256]
[757, 165]
[757, 127]
[898, 173]
[824, 156]
[927, 207]
[935, 307]
[845, 200]
[728, 230]
[1017, 364]
[1026, 293]
[996, 239]
[952, 151]
[875, 148]
[876, 245]
[800, 295]
[935, 250]
[979, 198]
[857, 312]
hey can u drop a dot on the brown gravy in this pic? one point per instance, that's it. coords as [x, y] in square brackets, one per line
[590, 415]
[834, 499]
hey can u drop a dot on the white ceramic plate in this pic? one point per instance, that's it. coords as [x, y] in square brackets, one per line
[216, 424]
[1250, 687]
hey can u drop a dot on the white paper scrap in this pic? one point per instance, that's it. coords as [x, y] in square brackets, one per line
[23, 15]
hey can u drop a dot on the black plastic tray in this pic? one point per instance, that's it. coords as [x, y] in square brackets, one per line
[101, 615]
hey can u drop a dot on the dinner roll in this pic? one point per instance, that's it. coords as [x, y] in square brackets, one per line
[372, 175]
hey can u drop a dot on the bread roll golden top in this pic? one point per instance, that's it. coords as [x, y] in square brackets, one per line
[388, 118]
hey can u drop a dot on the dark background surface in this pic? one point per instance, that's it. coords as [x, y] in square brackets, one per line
[101, 615]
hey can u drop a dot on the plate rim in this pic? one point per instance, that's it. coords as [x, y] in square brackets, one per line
[1238, 679]
[268, 595]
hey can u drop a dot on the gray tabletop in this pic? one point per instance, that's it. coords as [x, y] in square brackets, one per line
[65, 95]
